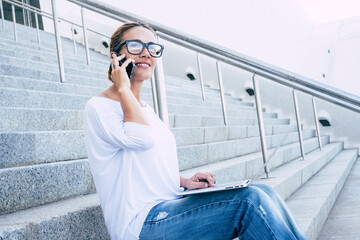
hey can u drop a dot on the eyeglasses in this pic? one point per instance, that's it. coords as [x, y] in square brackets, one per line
[136, 47]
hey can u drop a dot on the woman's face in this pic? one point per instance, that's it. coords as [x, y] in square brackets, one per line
[144, 62]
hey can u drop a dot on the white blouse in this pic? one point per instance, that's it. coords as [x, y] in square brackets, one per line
[134, 166]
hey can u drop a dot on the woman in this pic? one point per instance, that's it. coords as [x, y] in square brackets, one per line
[133, 160]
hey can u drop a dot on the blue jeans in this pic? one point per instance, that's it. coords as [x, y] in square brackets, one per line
[256, 212]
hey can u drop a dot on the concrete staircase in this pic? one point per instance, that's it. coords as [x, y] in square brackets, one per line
[46, 187]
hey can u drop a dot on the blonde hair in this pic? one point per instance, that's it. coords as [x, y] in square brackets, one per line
[118, 35]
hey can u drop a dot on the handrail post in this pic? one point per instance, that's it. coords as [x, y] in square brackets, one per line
[23, 13]
[221, 92]
[316, 123]
[85, 36]
[153, 91]
[73, 37]
[14, 21]
[58, 43]
[2, 15]
[200, 76]
[297, 114]
[37, 27]
[160, 90]
[261, 124]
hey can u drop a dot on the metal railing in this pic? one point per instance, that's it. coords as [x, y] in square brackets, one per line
[54, 16]
[222, 56]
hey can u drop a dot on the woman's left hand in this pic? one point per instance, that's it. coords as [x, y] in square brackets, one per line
[199, 180]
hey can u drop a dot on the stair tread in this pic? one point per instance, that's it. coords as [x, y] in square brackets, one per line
[343, 220]
[313, 201]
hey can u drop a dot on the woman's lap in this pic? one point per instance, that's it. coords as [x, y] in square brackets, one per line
[250, 213]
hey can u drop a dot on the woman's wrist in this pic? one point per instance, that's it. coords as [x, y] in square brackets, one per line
[123, 89]
[183, 181]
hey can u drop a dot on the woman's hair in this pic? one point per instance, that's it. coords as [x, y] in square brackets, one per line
[118, 35]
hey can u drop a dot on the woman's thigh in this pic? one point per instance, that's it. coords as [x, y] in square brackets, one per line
[223, 215]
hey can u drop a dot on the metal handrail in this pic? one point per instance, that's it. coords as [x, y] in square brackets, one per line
[218, 52]
[49, 15]
[231, 57]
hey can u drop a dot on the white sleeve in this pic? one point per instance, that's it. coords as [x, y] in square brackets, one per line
[110, 127]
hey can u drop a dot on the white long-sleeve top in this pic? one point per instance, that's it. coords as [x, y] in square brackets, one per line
[134, 166]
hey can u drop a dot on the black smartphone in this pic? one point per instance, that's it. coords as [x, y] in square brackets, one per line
[129, 68]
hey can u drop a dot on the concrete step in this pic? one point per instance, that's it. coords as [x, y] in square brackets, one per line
[9, 75]
[30, 148]
[312, 203]
[48, 58]
[75, 218]
[29, 186]
[202, 154]
[14, 56]
[199, 121]
[71, 67]
[46, 44]
[343, 220]
[10, 97]
[50, 182]
[56, 219]
[29, 50]
[29, 88]
[26, 119]
[23, 119]
[245, 167]
[47, 40]
[192, 135]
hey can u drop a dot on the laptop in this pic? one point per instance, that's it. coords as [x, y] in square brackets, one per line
[233, 185]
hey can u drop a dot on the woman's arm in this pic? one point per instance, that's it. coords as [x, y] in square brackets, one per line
[130, 105]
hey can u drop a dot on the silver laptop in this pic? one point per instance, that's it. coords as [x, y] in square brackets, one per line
[233, 185]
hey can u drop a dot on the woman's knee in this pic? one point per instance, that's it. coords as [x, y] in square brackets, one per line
[255, 195]
[271, 192]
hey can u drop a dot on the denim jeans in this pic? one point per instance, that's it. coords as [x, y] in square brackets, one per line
[256, 212]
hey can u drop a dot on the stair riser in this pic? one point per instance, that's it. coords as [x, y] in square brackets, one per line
[12, 71]
[21, 119]
[32, 99]
[198, 121]
[240, 170]
[327, 184]
[45, 183]
[36, 54]
[17, 120]
[44, 66]
[88, 89]
[198, 155]
[40, 147]
[89, 222]
[49, 50]
[26, 187]
[42, 99]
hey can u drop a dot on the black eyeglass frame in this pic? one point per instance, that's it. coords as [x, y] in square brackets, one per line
[118, 47]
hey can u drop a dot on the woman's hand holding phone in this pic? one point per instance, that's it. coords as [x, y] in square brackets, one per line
[119, 75]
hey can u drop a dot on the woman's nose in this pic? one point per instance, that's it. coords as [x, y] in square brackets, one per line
[145, 53]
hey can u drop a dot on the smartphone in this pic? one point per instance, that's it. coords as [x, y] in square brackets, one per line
[129, 68]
